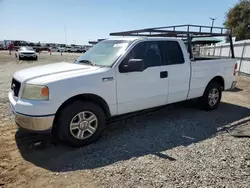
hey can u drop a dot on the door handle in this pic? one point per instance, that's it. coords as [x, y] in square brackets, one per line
[164, 74]
[106, 79]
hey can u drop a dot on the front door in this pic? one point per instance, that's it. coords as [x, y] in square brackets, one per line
[146, 89]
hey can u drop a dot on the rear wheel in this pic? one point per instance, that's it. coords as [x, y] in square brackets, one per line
[80, 123]
[211, 97]
[20, 58]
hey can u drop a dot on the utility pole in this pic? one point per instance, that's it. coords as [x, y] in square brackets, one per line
[212, 24]
[212, 20]
[65, 32]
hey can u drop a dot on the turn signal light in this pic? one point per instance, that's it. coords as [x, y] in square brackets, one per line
[45, 91]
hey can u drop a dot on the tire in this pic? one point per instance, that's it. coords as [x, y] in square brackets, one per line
[210, 103]
[35, 58]
[78, 51]
[69, 51]
[19, 58]
[69, 114]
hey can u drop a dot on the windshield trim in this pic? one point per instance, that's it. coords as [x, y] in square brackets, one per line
[132, 43]
[90, 64]
[121, 55]
[129, 42]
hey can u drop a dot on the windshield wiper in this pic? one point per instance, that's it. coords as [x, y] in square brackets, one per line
[87, 62]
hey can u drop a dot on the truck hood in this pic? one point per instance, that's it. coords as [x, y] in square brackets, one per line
[27, 51]
[51, 69]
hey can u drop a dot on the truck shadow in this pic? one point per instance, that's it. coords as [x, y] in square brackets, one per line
[178, 125]
[236, 89]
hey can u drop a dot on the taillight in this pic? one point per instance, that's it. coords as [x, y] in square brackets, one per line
[235, 68]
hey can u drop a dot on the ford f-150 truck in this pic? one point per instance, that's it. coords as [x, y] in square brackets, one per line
[116, 76]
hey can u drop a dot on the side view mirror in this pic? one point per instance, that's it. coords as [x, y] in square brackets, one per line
[134, 65]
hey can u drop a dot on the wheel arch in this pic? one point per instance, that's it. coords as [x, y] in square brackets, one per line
[203, 100]
[86, 97]
[218, 79]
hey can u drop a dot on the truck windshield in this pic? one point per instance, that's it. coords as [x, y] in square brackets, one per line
[104, 53]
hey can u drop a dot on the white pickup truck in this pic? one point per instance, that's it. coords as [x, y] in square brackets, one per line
[116, 76]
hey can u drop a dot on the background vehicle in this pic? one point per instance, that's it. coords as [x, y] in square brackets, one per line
[2, 47]
[71, 49]
[54, 49]
[57, 49]
[115, 77]
[26, 53]
[61, 49]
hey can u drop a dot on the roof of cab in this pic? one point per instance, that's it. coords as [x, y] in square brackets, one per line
[142, 38]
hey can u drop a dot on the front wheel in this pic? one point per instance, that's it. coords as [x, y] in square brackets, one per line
[80, 123]
[211, 97]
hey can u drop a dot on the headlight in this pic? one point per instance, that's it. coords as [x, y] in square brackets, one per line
[35, 92]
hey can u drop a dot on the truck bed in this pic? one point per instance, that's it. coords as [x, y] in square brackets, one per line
[205, 70]
[198, 58]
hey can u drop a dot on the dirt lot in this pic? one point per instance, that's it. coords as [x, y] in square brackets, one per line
[176, 146]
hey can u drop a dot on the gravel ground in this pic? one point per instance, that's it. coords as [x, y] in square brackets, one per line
[176, 146]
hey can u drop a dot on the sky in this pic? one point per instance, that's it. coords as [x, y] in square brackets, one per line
[84, 20]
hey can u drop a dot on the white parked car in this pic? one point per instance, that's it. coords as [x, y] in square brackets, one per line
[73, 49]
[54, 49]
[57, 49]
[116, 76]
[26, 53]
[61, 49]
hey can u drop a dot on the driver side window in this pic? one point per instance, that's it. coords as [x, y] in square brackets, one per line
[148, 51]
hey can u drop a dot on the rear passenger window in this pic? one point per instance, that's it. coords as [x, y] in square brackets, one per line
[171, 52]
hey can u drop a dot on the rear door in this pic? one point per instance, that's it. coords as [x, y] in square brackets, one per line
[178, 69]
[146, 89]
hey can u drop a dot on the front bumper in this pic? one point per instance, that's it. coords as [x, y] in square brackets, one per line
[25, 119]
[34, 123]
[28, 55]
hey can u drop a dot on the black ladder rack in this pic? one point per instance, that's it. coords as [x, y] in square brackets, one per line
[185, 32]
